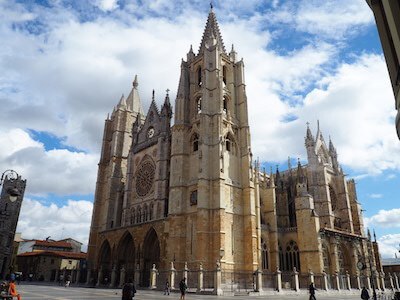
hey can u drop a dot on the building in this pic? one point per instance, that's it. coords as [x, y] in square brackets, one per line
[387, 17]
[47, 259]
[190, 198]
[11, 197]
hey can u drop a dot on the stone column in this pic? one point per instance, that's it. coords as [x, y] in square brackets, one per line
[185, 272]
[377, 281]
[358, 281]
[218, 280]
[311, 276]
[137, 274]
[113, 276]
[325, 280]
[337, 282]
[391, 281]
[278, 280]
[99, 276]
[88, 276]
[369, 283]
[258, 281]
[200, 279]
[172, 272]
[348, 282]
[122, 277]
[296, 279]
[57, 275]
[153, 277]
[382, 277]
[396, 281]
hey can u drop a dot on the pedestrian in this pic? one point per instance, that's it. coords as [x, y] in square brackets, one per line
[128, 290]
[12, 290]
[312, 290]
[183, 288]
[364, 294]
[68, 280]
[61, 279]
[166, 290]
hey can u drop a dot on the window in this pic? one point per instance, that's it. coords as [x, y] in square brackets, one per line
[264, 255]
[224, 74]
[332, 195]
[199, 79]
[225, 105]
[193, 197]
[292, 256]
[228, 145]
[195, 142]
[198, 105]
[151, 212]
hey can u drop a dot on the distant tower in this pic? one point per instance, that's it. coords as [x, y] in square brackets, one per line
[213, 208]
[11, 197]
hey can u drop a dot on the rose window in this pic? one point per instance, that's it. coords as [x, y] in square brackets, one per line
[144, 178]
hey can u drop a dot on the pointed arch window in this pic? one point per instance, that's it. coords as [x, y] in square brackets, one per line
[230, 144]
[145, 213]
[333, 197]
[281, 259]
[224, 74]
[292, 256]
[195, 142]
[225, 105]
[199, 77]
[264, 255]
[198, 105]
[151, 211]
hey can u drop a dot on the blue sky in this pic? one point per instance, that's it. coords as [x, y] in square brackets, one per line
[66, 63]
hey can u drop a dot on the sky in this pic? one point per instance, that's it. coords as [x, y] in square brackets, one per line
[65, 64]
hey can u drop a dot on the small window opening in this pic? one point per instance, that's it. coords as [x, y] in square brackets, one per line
[193, 197]
[228, 145]
[199, 79]
[199, 105]
[224, 74]
[225, 105]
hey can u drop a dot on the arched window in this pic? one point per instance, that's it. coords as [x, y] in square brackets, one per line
[281, 259]
[264, 255]
[198, 105]
[224, 74]
[145, 213]
[139, 215]
[199, 79]
[292, 256]
[332, 195]
[225, 105]
[151, 211]
[195, 142]
[229, 143]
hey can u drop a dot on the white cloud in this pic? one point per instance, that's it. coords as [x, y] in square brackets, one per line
[389, 245]
[385, 219]
[106, 5]
[38, 221]
[375, 196]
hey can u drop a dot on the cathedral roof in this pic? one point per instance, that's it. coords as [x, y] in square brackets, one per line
[212, 31]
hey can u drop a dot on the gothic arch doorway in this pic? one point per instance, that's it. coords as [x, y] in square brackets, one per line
[105, 260]
[151, 255]
[126, 256]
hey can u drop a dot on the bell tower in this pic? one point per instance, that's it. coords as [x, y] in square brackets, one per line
[213, 202]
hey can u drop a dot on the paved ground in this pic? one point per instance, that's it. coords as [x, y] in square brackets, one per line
[47, 292]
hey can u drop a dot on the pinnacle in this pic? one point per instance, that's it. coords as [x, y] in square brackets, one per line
[135, 82]
[212, 30]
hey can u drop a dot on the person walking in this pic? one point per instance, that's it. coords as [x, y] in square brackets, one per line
[166, 290]
[312, 290]
[364, 294]
[12, 290]
[128, 290]
[68, 280]
[183, 288]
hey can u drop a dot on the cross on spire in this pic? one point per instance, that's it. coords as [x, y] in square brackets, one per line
[167, 90]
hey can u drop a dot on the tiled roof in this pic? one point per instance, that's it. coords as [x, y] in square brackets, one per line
[60, 244]
[62, 254]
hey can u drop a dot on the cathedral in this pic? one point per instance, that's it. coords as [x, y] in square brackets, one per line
[189, 199]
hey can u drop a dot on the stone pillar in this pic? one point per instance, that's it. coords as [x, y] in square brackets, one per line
[377, 281]
[258, 281]
[337, 282]
[153, 277]
[113, 276]
[57, 275]
[99, 276]
[369, 283]
[278, 280]
[325, 280]
[311, 276]
[172, 272]
[296, 279]
[382, 277]
[185, 272]
[391, 281]
[121, 277]
[348, 282]
[78, 276]
[137, 274]
[88, 276]
[200, 279]
[218, 280]
[396, 281]
[358, 281]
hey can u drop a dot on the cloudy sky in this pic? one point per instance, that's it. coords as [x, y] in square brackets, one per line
[65, 65]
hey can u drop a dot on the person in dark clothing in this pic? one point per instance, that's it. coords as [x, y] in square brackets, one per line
[166, 290]
[128, 290]
[312, 291]
[364, 294]
[183, 288]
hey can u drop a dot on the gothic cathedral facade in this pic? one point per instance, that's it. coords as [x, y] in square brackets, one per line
[192, 195]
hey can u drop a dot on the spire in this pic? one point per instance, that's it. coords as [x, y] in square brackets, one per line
[374, 236]
[133, 102]
[301, 178]
[332, 149]
[232, 54]
[122, 102]
[166, 108]
[190, 55]
[271, 178]
[309, 135]
[212, 31]
[369, 234]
